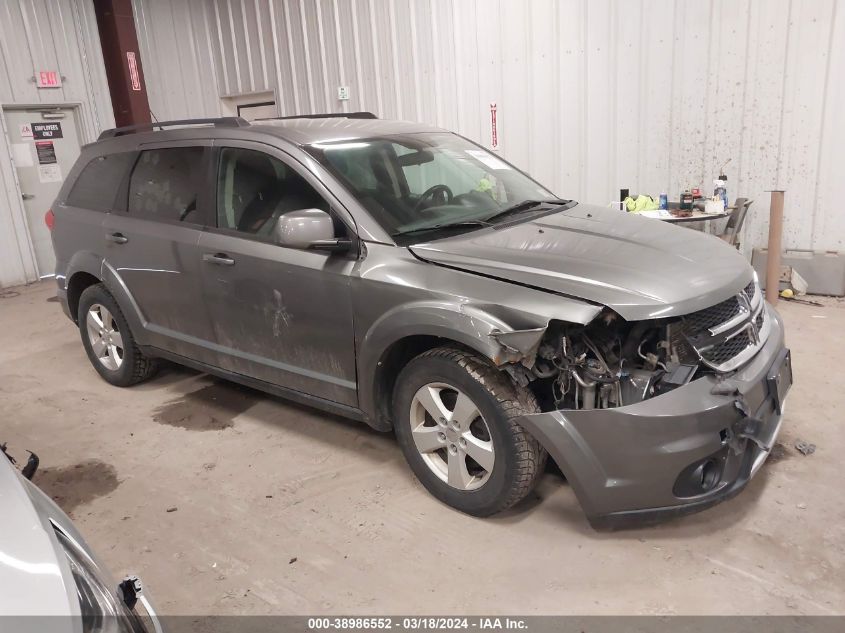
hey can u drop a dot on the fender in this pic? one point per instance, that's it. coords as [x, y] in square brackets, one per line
[503, 338]
[81, 262]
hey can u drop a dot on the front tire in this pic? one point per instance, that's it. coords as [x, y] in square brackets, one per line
[455, 421]
[108, 341]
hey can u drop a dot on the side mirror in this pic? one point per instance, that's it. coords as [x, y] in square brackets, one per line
[308, 228]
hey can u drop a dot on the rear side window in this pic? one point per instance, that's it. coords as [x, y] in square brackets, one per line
[165, 184]
[97, 184]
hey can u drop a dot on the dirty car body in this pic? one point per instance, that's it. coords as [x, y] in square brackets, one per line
[658, 368]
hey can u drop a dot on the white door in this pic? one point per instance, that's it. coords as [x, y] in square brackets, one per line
[45, 144]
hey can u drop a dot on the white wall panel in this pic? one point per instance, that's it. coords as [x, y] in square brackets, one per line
[44, 35]
[592, 95]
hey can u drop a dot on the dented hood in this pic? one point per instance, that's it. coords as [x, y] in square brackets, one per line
[640, 267]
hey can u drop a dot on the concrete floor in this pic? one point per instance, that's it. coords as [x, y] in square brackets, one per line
[227, 501]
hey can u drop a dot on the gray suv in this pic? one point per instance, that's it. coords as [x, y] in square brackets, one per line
[404, 276]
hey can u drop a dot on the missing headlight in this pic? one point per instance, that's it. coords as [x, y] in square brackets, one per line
[609, 363]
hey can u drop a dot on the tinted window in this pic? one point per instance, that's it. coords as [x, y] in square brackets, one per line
[165, 183]
[97, 184]
[254, 189]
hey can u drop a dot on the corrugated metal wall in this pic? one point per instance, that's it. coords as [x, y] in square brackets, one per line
[592, 95]
[44, 35]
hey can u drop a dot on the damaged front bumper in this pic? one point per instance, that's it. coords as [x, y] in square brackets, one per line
[676, 453]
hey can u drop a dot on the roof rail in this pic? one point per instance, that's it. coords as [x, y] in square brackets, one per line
[330, 115]
[227, 121]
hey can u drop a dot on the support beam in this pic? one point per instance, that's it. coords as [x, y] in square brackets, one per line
[122, 59]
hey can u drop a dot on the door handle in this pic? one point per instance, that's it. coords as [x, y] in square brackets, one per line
[220, 259]
[117, 238]
[27, 196]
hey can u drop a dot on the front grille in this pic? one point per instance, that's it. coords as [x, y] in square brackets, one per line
[749, 290]
[729, 333]
[723, 352]
[703, 320]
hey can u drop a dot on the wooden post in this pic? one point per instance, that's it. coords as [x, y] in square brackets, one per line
[774, 247]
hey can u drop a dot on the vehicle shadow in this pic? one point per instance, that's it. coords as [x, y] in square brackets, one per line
[202, 402]
[199, 401]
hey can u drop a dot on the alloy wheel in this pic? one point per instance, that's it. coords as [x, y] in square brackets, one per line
[104, 336]
[452, 436]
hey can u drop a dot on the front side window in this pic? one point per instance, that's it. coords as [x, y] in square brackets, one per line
[165, 184]
[97, 184]
[411, 183]
[254, 189]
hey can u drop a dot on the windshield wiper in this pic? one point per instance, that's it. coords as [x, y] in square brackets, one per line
[444, 225]
[519, 207]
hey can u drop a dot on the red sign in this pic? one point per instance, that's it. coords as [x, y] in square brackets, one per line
[494, 132]
[48, 79]
[134, 77]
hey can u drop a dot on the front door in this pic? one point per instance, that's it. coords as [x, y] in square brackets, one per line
[44, 144]
[281, 315]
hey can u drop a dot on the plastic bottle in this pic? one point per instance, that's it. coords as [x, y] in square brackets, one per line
[720, 189]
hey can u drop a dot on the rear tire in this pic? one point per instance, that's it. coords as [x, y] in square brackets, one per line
[108, 340]
[475, 457]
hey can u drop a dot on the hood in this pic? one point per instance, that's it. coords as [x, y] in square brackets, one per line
[640, 267]
[34, 573]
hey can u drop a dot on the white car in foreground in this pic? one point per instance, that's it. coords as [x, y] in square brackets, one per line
[50, 580]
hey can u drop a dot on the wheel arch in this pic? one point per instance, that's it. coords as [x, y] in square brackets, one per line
[409, 330]
[83, 270]
[76, 285]
[387, 369]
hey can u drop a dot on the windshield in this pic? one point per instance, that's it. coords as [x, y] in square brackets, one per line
[423, 184]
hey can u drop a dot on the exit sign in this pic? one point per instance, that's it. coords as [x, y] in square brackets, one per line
[48, 79]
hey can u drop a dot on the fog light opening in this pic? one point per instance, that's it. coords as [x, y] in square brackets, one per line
[709, 474]
[701, 477]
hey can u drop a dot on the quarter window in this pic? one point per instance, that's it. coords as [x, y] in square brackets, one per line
[254, 189]
[164, 184]
[97, 184]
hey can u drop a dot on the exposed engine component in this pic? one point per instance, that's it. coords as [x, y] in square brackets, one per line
[608, 363]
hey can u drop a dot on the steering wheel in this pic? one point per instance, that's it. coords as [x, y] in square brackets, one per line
[431, 192]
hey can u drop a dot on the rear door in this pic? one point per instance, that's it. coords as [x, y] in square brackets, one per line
[151, 245]
[79, 217]
[281, 315]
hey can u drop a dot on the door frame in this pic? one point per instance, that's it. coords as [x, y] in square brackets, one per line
[17, 210]
[230, 103]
